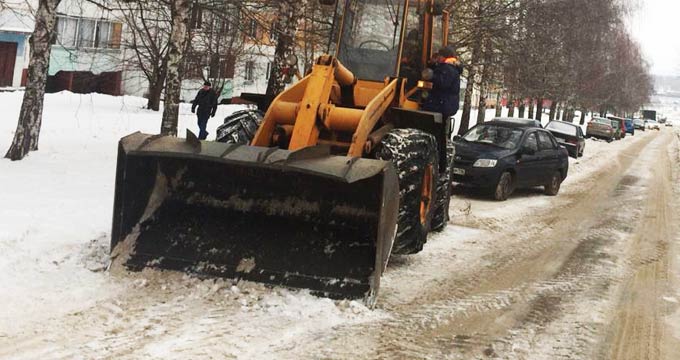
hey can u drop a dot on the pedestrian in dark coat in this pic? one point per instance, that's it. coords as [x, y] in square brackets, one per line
[206, 102]
[444, 97]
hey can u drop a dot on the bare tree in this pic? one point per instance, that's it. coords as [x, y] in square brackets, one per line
[30, 118]
[288, 16]
[148, 24]
[180, 10]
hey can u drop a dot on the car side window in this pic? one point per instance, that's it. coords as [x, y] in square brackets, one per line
[544, 141]
[530, 142]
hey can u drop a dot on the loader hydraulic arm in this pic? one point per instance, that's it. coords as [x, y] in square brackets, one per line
[314, 105]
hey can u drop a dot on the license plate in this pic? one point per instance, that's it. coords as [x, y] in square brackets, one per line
[457, 171]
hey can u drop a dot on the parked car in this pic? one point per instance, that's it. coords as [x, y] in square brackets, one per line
[500, 156]
[653, 125]
[601, 128]
[639, 124]
[619, 125]
[669, 123]
[630, 127]
[568, 135]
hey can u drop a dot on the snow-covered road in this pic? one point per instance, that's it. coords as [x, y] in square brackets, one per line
[534, 277]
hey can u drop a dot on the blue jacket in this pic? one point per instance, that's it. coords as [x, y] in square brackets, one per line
[445, 94]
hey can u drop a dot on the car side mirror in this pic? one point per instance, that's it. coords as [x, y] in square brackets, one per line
[458, 138]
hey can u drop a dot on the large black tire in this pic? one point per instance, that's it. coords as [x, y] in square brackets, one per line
[240, 127]
[440, 218]
[414, 154]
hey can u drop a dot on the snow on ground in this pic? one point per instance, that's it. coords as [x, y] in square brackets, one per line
[56, 217]
[55, 226]
[57, 203]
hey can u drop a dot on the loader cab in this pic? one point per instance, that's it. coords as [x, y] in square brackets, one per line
[380, 39]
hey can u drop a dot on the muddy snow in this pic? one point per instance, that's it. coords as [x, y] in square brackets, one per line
[534, 277]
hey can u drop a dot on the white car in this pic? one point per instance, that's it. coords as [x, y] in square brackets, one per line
[653, 125]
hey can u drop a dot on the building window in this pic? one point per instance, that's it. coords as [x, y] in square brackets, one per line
[194, 64]
[86, 30]
[250, 71]
[67, 29]
[224, 26]
[102, 37]
[274, 35]
[196, 17]
[270, 65]
[75, 32]
[252, 29]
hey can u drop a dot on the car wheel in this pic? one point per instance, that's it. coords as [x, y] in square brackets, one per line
[610, 140]
[504, 188]
[553, 187]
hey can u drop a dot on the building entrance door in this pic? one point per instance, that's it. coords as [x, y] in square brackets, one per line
[8, 56]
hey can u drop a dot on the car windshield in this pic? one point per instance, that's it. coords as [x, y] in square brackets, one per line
[561, 128]
[615, 124]
[639, 122]
[602, 121]
[500, 136]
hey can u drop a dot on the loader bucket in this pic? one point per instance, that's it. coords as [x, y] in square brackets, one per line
[300, 219]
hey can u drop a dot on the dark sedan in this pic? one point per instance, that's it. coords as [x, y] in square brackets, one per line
[568, 135]
[501, 156]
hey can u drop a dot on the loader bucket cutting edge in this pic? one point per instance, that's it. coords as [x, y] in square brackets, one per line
[299, 219]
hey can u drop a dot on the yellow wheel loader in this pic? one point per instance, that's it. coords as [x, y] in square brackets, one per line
[343, 170]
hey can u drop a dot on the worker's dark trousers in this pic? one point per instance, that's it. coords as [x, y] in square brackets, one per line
[202, 124]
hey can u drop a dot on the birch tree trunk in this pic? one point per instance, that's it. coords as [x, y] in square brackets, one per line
[289, 15]
[180, 10]
[481, 106]
[499, 107]
[484, 82]
[30, 118]
[467, 101]
[583, 116]
[553, 110]
[539, 109]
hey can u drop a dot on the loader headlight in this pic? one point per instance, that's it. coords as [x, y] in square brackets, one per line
[485, 163]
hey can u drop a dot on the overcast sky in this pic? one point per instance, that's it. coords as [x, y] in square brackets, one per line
[656, 25]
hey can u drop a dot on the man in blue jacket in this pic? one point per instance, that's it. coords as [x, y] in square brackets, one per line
[444, 97]
[206, 101]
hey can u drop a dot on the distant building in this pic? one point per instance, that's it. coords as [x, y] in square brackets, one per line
[91, 51]
[87, 55]
[16, 26]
